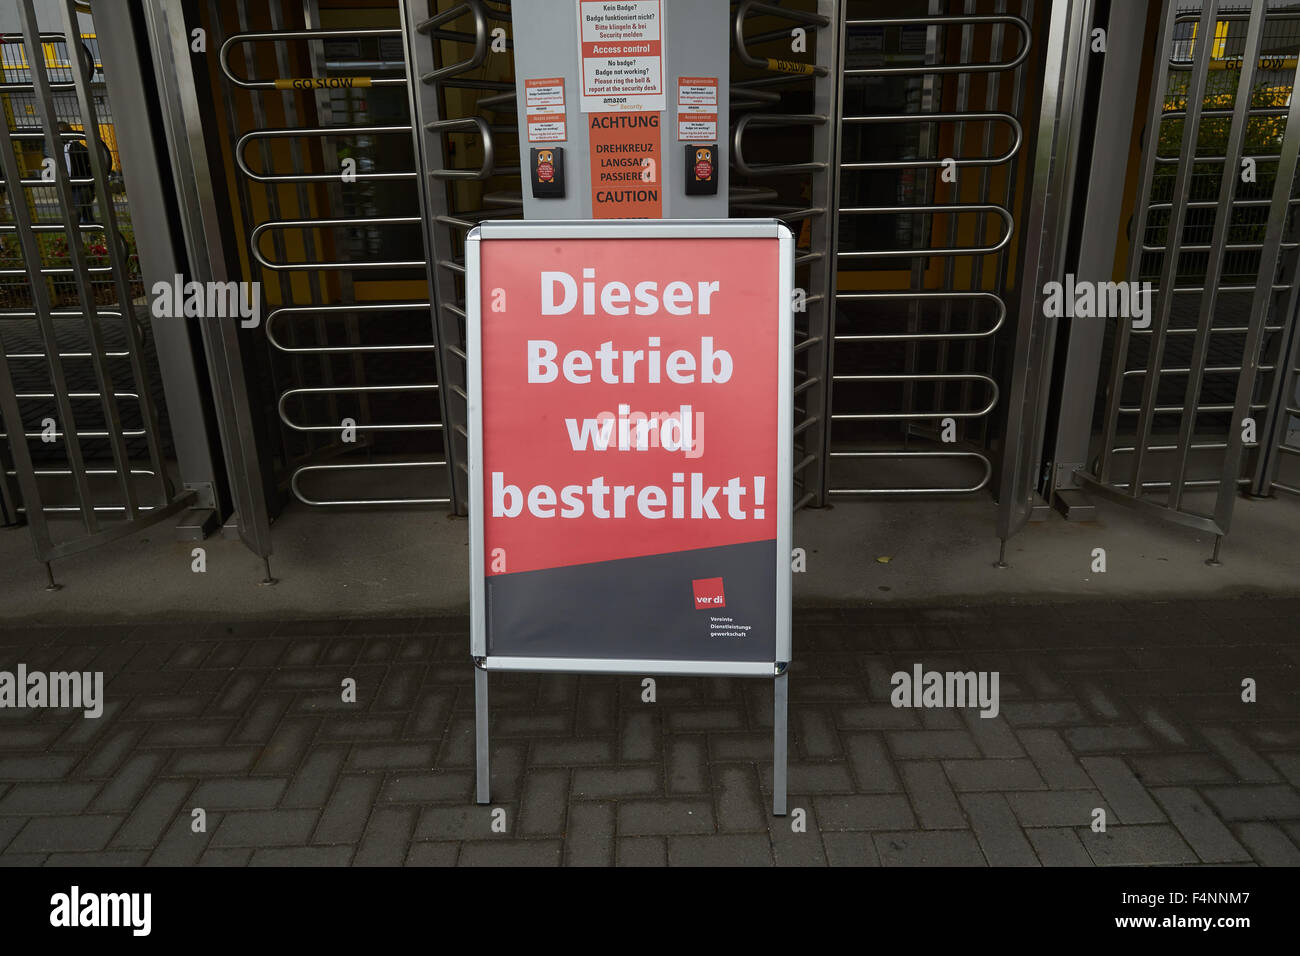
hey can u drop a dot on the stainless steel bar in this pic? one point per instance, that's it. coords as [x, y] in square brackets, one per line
[800, 17]
[1019, 23]
[347, 389]
[1278, 223]
[329, 264]
[952, 209]
[482, 773]
[1141, 218]
[358, 307]
[958, 117]
[919, 377]
[904, 455]
[281, 36]
[467, 124]
[1218, 247]
[922, 296]
[148, 413]
[772, 119]
[40, 294]
[296, 478]
[328, 131]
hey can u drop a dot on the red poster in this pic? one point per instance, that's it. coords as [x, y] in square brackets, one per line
[630, 445]
[625, 165]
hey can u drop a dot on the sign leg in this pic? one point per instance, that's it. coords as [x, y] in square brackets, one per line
[482, 776]
[780, 702]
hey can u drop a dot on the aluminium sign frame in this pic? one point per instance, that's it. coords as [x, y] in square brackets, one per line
[614, 230]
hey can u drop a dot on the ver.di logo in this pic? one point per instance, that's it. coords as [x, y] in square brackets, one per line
[709, 594]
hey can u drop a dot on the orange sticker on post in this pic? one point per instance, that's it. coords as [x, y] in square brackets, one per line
[625, 160]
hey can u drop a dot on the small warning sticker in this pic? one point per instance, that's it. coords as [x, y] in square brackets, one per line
[544, 106]
[697, 109]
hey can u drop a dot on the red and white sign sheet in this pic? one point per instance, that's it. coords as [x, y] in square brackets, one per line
[630, 421]
[544, 109]
[621, 47]
[697, 109]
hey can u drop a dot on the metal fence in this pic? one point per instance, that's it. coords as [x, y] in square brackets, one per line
[78, 391]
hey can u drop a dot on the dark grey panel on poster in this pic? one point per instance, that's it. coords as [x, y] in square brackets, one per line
[639, 608]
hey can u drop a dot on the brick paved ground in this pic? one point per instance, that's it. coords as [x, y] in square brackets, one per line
[1132, 708]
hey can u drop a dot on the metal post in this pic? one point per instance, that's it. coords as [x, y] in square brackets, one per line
[1120, 81]
[780, 739]
[482, 776]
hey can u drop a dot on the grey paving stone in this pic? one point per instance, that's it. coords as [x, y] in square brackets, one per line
[225, 762]
[875, 717]
[9, 826]
[810, 778]
[433, 854]
[54, 833]
[1268, 844]
[265, 828]
[872, 768]
[1056, 808]
[429, 787]
[153, 814]
[639, 739]
[344, 818]
[1058, 846]
[697, 720]
[592, 782]
[932, 798]
[991, 774]
[643, 851]
[391, 756]
[1203, 831]
[542, 810]
[37, 767]
[1124, 793]
[850, 849]
[458, 823]
[997, 830]
[36, 798]
[884, 811]
[739, 800]
[931, 744]
[249, 793]
[301, 856]
[181, 845]
[665, 817]
[929, 848]
[727, 849]
[226, 857]
[797, 848]
[993, 735]
[687, 768]
[106, 858]
[1145, 845]
[1114, 737]
[814, 733]
[589, 834]
[1162, 770]
[388, 836]
[506, 852]
[312, 782]
[1278, 802]
[1246, 764]
[572, 752]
